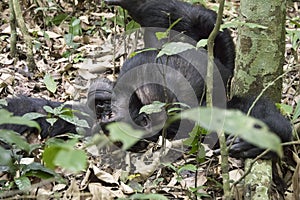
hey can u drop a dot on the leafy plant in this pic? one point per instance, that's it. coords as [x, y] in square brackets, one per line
[174, 48]
[236, 123]
[11, 161]
[17, 150]
[51, 85]
[122, 132]
[66, 114]
[294, 35]
[149, 196]
[60, 153]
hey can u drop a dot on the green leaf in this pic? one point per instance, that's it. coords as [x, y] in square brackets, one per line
[188, 167]
[161, 35]
[23, 183]
[51, 121]
[10, 137]
[33, 115]
[75, 28]
[37, 170]
[61, 110]
[48, 109]
[49, 155]
[74, 160]
[51, 85]
[148, 196]
[122, 132]
[8, 118]
[75, 120]
[284, 109]
[154, 107]
[236, 123]
[174, 48]
[5, 158]
[131, 27]
[69, 41]
[58, 19]
[201, 43]
[62, 153]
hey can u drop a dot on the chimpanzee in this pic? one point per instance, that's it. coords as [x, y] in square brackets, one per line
[195, 21]
[22, 105]
[145, 79]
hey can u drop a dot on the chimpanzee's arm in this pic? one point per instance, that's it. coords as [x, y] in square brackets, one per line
[265, 111]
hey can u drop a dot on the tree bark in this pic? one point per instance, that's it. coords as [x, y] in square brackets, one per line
[13, 29]
[21, 23]
[260, 51]
[259, 61]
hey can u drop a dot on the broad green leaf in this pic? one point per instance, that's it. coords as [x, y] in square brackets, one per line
[55, 146]
[69, 40]
[74, 160]
[284, 109]
[59, 18]
[122, 132]
[131, 27]
[51, 121]
[154, 107]
[48, 109]
[174, 48]
[236, 123]
[148, 196]
[33, 115]
[201, 43]
[38, 170]
[5, 159]
[49, 155]
[51, 85]
[188, 167]
[8, 118]
[75, 120]
[161, 35]
[61, 110]
[75, 27]
[10, 137]
[23, 183]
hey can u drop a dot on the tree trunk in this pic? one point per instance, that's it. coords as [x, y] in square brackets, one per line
[260, 51]
[259, 61]
[21, 23]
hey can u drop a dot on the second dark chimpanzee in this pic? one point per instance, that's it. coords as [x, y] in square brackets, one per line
[145, 79]
[195, 21]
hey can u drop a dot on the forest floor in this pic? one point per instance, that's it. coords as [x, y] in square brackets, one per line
[98, 49]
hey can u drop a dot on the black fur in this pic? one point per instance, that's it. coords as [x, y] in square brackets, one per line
[130, 94]
[196, 22]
